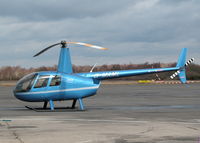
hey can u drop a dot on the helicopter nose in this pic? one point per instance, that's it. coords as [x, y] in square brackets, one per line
[22, 97]
[17, 95]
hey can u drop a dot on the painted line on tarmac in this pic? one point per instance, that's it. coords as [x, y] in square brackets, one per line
[103, 120]
[76, 120]
[100, 120]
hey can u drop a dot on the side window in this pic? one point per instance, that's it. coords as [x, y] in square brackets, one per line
[55, 81]
[42, 81]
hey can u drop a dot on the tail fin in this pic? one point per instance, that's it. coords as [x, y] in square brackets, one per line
[182, 58]
[181, 65]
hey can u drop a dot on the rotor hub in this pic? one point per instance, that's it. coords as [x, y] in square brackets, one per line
[64, 44]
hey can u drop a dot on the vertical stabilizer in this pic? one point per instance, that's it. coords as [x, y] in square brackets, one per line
[182, 58]
[181, 65]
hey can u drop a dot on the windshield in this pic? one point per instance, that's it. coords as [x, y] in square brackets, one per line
[26, 83]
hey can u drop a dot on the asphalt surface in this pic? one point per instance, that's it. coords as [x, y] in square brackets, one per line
[117, 114]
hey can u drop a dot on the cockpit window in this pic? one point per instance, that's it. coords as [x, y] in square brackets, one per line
[56, 80]
[42, 81]
[26, 83]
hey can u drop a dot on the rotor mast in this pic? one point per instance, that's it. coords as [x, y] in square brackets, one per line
[64, 63]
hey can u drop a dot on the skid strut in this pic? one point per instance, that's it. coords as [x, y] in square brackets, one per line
[45, 105]
[51, 104]
[81, 104]
[74, 104]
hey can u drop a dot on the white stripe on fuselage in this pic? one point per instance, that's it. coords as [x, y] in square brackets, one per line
[62, 90]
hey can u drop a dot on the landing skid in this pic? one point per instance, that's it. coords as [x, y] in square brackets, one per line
[57, 109]
[52, 108]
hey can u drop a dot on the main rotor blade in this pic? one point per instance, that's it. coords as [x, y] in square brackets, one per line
[87, 45]
[46, 49]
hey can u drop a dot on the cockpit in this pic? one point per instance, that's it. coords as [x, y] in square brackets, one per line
[26, 83]
[36, 81]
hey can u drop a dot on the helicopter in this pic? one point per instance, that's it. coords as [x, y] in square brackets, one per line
[63, 84]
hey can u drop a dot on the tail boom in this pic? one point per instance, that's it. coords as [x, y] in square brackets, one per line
[180, 70]
[125, 73]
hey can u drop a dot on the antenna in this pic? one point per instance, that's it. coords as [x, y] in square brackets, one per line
[93, 67]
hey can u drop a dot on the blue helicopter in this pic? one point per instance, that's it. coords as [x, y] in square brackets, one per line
[63, 84]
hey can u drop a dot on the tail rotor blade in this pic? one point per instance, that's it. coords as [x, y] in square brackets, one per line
[189, 61]
[46, 49]
[175, 74]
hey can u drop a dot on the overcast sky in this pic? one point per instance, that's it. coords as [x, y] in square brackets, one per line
[135, 31]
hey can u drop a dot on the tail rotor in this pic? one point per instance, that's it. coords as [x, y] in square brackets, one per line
[182, 69]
